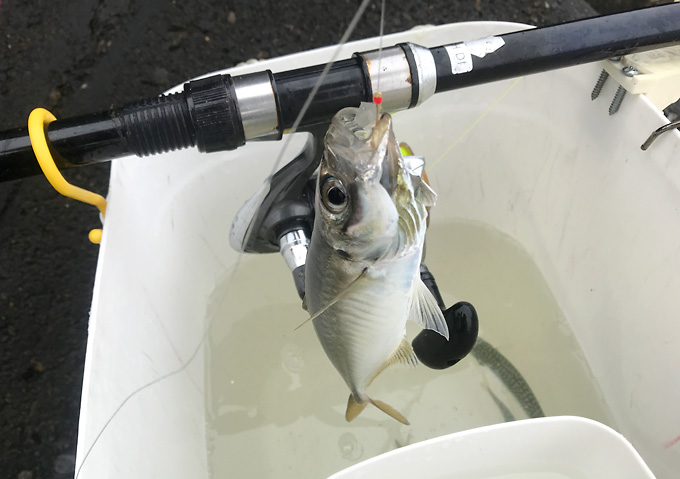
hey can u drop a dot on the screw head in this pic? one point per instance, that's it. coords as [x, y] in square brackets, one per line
[630, 71]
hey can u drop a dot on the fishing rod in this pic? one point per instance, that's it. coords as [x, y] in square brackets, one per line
[223, 112]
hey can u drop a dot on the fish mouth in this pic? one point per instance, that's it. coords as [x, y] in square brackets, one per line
[358, 133]
[387, 152]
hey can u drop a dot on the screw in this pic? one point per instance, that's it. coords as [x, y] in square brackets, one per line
[618, 99]
[599, 84]
[630, 72]
[602, 79]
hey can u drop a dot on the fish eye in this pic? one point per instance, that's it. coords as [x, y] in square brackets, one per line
[334, 195]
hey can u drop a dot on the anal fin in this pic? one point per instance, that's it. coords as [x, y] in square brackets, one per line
[403, 355]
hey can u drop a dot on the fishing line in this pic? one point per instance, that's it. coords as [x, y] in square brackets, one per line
[377, 99]
[481, 117]
[350, 28]
[155, 381]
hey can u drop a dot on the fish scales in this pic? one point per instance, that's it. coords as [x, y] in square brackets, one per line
[358, 331]
[362, 270]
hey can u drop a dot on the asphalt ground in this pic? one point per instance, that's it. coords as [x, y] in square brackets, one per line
[75, 57]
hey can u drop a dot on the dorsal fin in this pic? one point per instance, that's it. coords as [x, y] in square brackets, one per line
[424, 309]
[426, 194]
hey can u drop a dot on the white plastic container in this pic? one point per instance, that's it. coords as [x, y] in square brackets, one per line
[547, 448]
[551, 220]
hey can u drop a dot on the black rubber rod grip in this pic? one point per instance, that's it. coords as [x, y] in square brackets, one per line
[205, 114]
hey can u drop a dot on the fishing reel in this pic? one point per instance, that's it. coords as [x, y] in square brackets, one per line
[281, 219]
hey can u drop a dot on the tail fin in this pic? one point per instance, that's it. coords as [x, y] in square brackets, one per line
[389, 410]
[354, 408]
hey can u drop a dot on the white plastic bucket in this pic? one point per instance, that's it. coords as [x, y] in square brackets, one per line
[550, 220]
[547, 448]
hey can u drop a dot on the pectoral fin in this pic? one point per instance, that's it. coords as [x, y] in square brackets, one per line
[339, 296]
[424, 309]
[426, 194]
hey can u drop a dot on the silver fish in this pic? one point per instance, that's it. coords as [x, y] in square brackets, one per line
[362, 270]
[504, 370]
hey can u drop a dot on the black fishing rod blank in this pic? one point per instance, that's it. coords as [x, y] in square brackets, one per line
[222, 112]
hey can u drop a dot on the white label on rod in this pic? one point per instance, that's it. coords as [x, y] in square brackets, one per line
[459, 56]
[480, 48]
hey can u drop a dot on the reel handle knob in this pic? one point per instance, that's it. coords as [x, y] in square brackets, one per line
[434, 351]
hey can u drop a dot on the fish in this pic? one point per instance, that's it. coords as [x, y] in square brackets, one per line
[362, 279]
[504, 370]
